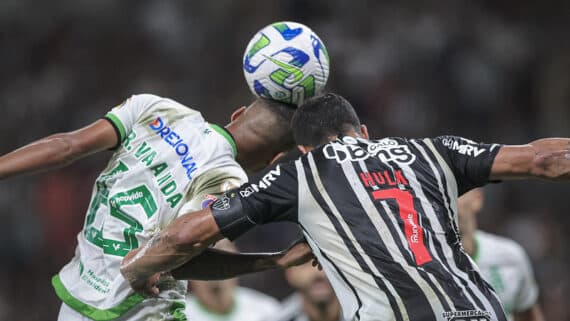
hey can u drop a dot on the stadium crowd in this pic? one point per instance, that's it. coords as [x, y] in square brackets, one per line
[487, 70]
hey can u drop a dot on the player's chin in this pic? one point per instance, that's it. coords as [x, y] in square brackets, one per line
[320, 291]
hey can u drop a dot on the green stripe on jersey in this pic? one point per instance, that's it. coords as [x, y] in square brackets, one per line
[177, 311]
[227, 136]
[92, 312]
[117, 122]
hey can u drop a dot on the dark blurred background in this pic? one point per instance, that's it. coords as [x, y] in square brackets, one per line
[495, 71]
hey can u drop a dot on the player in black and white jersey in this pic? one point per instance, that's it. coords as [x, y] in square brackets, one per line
[379, 214]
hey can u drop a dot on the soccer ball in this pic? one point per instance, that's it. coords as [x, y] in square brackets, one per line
[286, 61]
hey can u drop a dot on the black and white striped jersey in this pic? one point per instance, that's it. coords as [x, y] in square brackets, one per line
[380, 215]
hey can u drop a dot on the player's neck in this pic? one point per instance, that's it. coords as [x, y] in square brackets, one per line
[328, 312]
[244, 140]
[221, 305]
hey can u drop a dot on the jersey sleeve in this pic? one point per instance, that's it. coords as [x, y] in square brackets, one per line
[210, 186]
[470, 162]
[125, 115]
[527, 293]
[271, 199]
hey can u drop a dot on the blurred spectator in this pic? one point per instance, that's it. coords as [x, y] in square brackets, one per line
[502, 262]
[225, 300]
[314, 300]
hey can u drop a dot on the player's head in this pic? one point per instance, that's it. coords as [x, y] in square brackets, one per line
[217, 296]
[311, 283]
[322, 119]
[468, 205]
[262, 132]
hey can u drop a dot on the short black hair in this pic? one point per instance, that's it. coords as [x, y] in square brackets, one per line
[281, 110]
[322, 117]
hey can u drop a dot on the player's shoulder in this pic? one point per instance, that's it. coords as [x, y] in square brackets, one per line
[142, 99]
[500, 246]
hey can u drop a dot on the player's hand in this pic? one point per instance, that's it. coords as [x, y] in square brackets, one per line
[298, 253]
[146, 286]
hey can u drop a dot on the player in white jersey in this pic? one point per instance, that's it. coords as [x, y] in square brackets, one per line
[167, 161]
[226, 300]
[502, 262]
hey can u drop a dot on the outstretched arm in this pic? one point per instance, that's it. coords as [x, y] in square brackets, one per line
[186, 238]
[547, 158]
[58, 150]
[183, 239]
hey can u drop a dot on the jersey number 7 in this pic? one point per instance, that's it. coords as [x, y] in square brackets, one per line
[414, 232]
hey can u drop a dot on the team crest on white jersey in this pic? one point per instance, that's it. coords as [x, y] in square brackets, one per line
[386, 150]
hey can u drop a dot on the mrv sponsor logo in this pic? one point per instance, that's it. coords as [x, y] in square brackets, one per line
[469, 315]
[463, 146]
[168, 135]
[385, 149]
[264, 183]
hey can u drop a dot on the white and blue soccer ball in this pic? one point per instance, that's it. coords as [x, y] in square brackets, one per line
[286, 61]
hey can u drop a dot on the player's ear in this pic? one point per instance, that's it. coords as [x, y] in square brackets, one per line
[276, 158]
[364, 131]
[304, 149]
[237, 113]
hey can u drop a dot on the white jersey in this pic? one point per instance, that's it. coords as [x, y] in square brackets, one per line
[169, 161]
[505, 265]
[249, 305]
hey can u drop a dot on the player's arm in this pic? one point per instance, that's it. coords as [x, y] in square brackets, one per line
[547, 158]
[229, 216]
[214, 264]
[58, 150]
[63, 149]
[188, 237]
[532, 314]
[183, 239]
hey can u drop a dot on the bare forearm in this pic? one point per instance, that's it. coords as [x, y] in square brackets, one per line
[214, 264]
[48, 153]
[547, 158]
[58, 150]
[159, 255]
[183, 239]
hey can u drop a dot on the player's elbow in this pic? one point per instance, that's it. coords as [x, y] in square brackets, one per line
[187, 241]
[64, 150]
[551, 158]
[550, 166]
